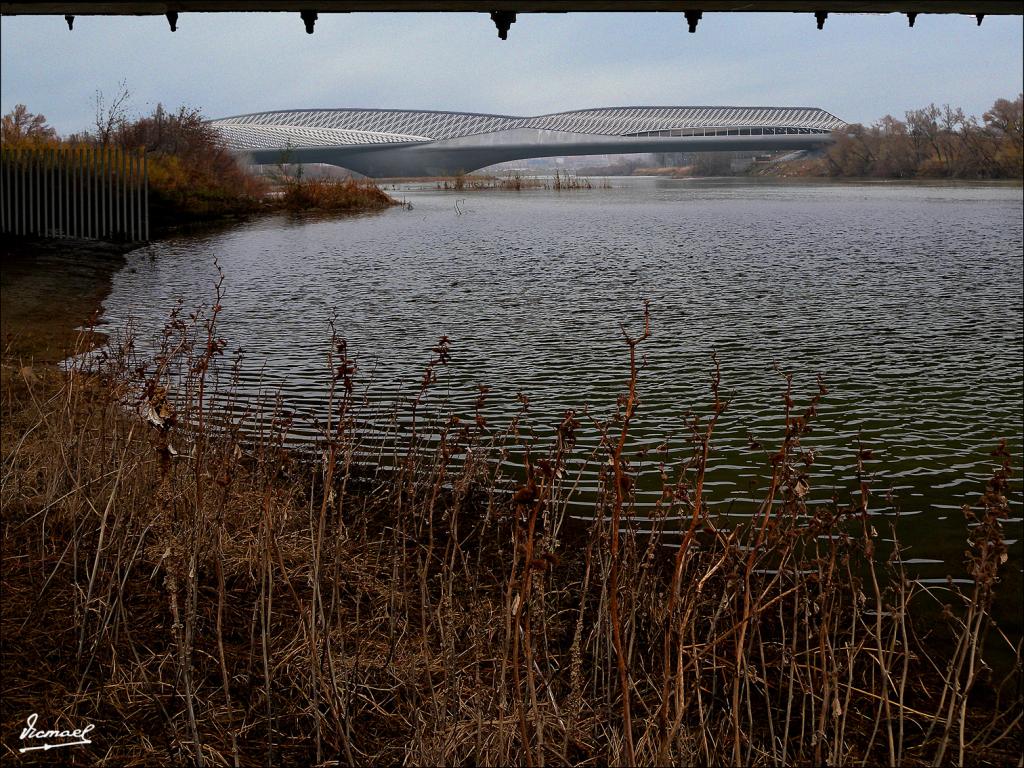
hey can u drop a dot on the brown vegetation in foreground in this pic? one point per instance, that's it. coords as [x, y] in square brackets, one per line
[203, 595]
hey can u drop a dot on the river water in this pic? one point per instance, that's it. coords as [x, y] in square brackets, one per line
[906, 299]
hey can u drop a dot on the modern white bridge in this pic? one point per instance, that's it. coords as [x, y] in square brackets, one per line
[397, 143]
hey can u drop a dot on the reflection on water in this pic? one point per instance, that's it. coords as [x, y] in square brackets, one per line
[906, 299]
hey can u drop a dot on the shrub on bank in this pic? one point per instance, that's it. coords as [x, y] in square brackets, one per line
[193, 177]
[338, 195]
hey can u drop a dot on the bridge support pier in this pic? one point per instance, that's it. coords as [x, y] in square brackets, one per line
[503, 20]
[309, 19]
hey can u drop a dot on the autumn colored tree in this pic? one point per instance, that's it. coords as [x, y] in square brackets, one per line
[20, 126]
[1005, 122]
[191, 173]
[934, 142]
[1006, 119]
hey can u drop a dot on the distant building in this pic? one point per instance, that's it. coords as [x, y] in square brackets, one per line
[392, 143]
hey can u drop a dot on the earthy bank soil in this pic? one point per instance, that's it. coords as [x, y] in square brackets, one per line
[49, 289]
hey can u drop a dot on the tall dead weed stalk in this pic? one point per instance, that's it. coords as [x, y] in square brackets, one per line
[175, 572]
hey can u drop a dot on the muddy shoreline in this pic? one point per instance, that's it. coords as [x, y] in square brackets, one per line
[51, 288]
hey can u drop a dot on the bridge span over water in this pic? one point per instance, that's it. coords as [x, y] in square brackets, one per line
[398, 143]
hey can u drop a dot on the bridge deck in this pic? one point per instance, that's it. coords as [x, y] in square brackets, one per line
[143, 7]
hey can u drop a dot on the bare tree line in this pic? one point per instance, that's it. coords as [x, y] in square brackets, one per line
[934, 142]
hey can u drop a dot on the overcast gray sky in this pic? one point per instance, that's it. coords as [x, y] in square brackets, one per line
[859, 67]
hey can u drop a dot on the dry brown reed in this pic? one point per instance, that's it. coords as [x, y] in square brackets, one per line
[333, 195]
[514, 181]
[183, 580]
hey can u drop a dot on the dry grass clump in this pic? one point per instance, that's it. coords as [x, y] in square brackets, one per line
[514, 181]
[568, 180]
[174, 574]
[309, 194]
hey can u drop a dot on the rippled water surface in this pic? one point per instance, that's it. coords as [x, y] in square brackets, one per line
[906, 299]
